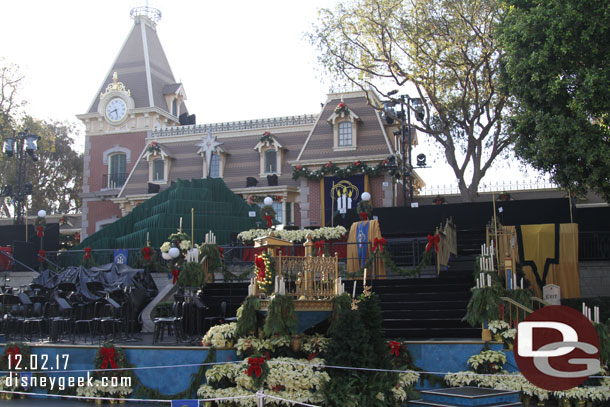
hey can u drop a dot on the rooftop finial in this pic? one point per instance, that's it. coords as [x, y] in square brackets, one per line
[151, 13]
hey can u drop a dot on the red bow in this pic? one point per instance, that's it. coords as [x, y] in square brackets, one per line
[433, 241]
[108, 358]
[260, 265]
[41, 255]
[146, 253]
[364, 216]
[378, 244]
[87, 253]
[320, 246]
[395, 348]
[175, 273]
[269, 218]
[12, 354]
[222, 252]
[40, 231]
[255, 366]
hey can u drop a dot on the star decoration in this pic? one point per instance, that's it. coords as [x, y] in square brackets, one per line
[208, 146]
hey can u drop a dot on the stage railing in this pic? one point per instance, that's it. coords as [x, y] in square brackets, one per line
[405, 252]
[594, 245]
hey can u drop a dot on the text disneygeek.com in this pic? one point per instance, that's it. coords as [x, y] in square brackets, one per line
[61, 382]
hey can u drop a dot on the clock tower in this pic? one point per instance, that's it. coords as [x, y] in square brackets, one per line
[139, 94]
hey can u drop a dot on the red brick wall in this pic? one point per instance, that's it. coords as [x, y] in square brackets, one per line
[132, 141]
[315, 210]
[100, 210]
[376, 191]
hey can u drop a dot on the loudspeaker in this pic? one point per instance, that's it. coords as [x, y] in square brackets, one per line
[153, 188]
[272, 180]
[251, 182]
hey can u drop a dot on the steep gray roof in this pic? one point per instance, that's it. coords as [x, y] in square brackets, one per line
[142, 66]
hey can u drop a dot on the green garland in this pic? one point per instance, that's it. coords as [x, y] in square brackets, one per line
[152, 264]
[281, 316]
[247, 316]
[333, 169]
[266, 137]
[390, 266]
[604, 343]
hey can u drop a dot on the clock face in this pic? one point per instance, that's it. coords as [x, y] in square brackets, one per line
[116, 109]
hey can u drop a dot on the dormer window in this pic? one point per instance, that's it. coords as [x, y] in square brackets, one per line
[270, 162]
[158, 163]
[345, 134]
[345, 128]
[215, 166]
[158, 169]
[271, 155]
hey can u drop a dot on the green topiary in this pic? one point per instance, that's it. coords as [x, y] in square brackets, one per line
[247, 317]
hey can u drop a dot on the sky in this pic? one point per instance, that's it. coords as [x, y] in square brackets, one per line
[237, 60]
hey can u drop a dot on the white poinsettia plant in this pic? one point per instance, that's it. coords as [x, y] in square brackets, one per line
[221, 336]
[498, 326]
[293, 379]
[325, 233]
[487, 357]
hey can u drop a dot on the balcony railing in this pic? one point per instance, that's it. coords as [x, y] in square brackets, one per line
[114, 180]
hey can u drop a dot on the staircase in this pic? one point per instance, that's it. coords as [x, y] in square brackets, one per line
[428, 308]
[412, 308]
[231, 293]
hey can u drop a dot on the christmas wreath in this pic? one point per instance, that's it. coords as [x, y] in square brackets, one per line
[154, 148]
[341, 108]
[365, 209]
[268, 214]
[264, 270]
[266, 138]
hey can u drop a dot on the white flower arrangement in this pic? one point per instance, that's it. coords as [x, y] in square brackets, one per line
[326, 233]
[487, 356]
[498, 326]
[292, 379]
[220, 336]
[405, 381]
[165, 247]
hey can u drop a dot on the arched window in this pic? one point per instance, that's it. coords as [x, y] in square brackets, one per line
[117, 171]
[345, 134]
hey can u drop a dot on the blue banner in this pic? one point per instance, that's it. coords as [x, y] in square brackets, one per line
[362, 239]
[120, 256]
[185, 403]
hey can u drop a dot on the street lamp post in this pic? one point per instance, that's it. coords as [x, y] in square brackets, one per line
[21, 145]
[415, 105]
